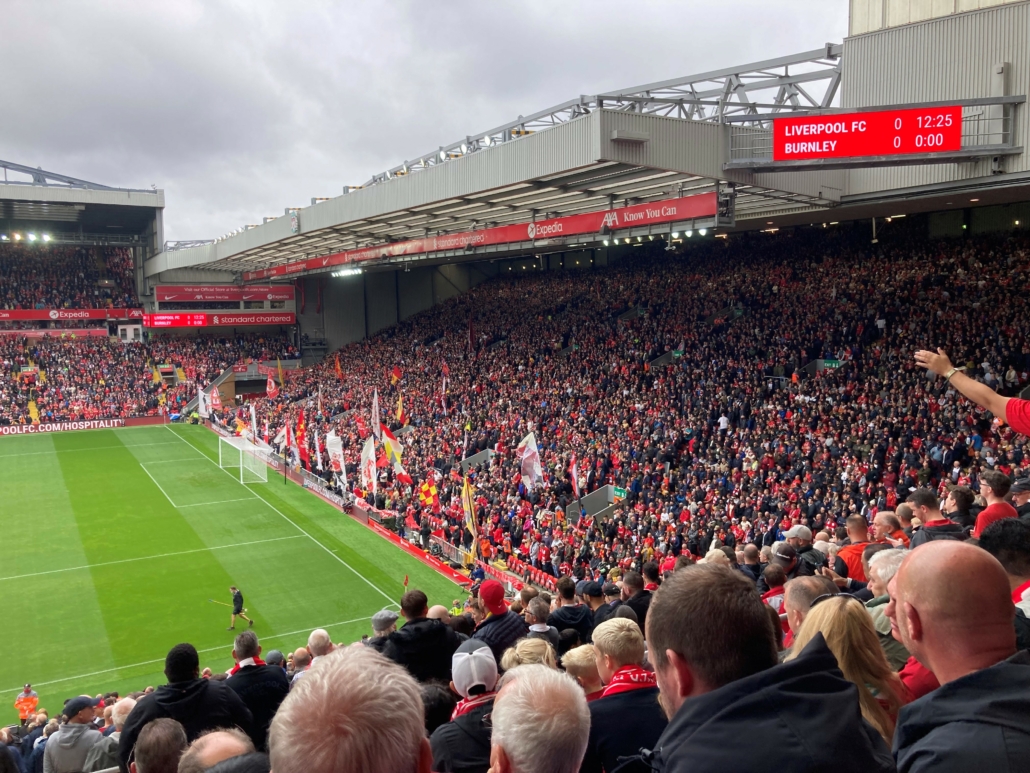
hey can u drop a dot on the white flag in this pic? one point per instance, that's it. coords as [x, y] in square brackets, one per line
[202, 406]
[376, 416]
[334, 445]
[280, 437]
[368, 465]
[253, 424]
[318, 454]
[529, 455]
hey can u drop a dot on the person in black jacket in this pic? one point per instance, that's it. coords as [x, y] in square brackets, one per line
[463, 744]
[571, 614]
[421, 645]
[637, 599]
[730, 706]
[198, 704]
[627, 716]
[501, 628]
[952, 608]
[262, 687]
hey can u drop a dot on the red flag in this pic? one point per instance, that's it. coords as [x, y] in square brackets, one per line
[271, 390]
[395, 375]
[339, 370]
[405, 581]
[302, 441]
[216, 400]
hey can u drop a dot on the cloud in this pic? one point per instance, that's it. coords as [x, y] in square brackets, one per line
[240, 109]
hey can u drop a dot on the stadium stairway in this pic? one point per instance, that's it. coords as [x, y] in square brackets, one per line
[33, 412]
[180, 375]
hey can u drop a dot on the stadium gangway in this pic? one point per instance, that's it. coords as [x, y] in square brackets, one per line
[476, 459]
[636, 311]
[665, 359]
[730, 312]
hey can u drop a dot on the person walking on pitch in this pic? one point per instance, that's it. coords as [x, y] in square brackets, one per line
[237, 608]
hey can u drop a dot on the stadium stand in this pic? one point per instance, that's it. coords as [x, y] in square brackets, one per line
[48, 277]
[733, 441]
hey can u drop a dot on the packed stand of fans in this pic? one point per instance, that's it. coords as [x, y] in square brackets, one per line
[51, 277]
[203, 358]
[732, 440]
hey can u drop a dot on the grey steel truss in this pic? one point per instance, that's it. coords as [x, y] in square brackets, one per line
[186, 244]
[808, 80]
[53, 179]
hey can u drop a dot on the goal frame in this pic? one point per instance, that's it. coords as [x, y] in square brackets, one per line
[242, 458]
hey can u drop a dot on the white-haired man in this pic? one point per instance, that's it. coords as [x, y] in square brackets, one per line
[540, 722]
[370, 719]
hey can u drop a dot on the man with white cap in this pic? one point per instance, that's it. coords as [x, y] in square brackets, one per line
[463, 744]
[800, 537]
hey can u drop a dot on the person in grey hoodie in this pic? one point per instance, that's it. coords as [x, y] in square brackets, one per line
[66, 750]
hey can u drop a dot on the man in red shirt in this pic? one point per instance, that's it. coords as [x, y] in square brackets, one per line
[994, 485]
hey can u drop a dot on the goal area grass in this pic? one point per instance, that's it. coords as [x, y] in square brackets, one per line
[114, 542]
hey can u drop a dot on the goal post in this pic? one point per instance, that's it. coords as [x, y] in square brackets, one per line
[244, 459]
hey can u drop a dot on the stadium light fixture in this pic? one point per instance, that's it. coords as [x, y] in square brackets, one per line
[32, 237]
[346, 272]
[689, 233]
[46, 237]
[974, 199]
[639, 239]
[3, 237]
[17, 237]
[675, 234]
[702, 231]
[464, 148]
[486, 141]
[606, 241]
[443, 155]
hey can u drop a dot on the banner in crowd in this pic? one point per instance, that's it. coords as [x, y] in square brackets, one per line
[71, 426]
[230, 319]
[529, 455]
[62, 315]
[668, 211]
[224, 293]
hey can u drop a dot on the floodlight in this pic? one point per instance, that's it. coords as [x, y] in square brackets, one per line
[675, 234]
[606, 241]
[464, 148]
[702, 231]
[46, 237]
[32, 237]
[17, 237]
[689, 233]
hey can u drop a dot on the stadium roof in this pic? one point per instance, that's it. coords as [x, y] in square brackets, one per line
[648, 143]
[73, 210]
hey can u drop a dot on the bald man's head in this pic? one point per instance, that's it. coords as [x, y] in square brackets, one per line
[953, 608]
[439, 612]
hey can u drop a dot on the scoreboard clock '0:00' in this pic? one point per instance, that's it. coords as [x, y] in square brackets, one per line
[876, 133]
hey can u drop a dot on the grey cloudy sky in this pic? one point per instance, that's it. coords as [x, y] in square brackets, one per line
[240, 109]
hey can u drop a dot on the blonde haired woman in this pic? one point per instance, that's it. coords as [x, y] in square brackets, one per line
[845, 624]
[528, 651]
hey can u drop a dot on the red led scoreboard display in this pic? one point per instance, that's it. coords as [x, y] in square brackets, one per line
[868, 134]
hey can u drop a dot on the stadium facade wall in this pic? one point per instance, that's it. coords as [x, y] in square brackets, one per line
[949, 58]
[872, 15]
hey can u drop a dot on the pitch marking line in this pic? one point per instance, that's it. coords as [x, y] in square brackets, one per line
[157, 484]
[222, 502]
[94, 448]
[227, 646]
[148, 558]
[287, 519]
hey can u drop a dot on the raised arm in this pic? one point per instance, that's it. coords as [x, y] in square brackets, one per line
[981, 394]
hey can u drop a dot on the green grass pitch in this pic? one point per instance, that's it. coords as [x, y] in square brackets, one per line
[112, 542]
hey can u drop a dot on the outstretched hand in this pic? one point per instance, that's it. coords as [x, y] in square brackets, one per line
[937, 362]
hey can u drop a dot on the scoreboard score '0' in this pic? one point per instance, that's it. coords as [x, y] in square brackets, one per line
[865, 134]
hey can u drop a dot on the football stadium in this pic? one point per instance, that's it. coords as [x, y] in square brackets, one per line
[681, 426]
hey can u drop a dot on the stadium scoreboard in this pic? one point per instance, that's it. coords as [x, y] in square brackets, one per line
[868, 134]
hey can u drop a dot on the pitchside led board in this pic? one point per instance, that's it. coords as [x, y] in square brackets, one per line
[868, 134]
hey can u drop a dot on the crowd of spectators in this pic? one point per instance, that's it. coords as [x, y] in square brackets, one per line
[52, 277]
[735, 439]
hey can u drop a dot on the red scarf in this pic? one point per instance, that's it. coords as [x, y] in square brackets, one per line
[629, 678]
[467, 704]
[257, 662]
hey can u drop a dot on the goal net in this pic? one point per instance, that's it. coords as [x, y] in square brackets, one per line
[244, 458]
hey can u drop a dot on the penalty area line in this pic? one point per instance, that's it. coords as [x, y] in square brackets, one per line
[288, 520]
